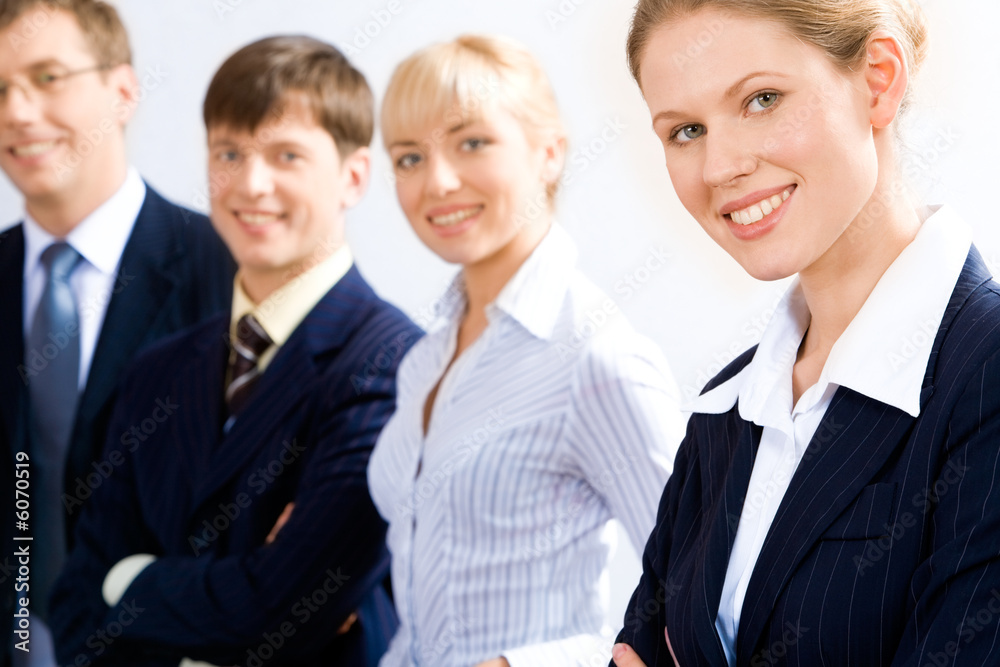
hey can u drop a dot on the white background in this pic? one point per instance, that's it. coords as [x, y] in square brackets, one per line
[701, 308]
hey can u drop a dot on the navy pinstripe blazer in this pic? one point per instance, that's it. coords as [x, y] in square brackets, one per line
[203, 502]
[174, 272]
[886, 547]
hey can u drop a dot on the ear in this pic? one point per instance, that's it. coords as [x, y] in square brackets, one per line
[887, 75]
[355, 172]
[553, 147]
[123, 81]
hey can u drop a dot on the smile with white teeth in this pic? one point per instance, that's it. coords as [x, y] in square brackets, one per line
[756, 212]
[256, 219]
[31, 150]
[451, 219]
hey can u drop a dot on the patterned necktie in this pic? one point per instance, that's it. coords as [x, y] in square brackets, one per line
[53, 394]
[250, 342]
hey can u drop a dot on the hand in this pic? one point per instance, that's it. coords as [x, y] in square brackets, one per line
[625, 657]
[280, 523]
[495, 662]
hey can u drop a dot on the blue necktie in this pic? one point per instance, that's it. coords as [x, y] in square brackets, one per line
[53, 393]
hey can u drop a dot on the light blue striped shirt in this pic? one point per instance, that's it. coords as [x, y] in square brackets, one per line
[557, 419]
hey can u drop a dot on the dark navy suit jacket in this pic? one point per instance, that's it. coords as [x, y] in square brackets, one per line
[885, 549]
[204, 502]
[174, 272]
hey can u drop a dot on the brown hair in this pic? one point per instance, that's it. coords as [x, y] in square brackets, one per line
[99, 22]
[254, 83]
[462, 77]
[841, 28]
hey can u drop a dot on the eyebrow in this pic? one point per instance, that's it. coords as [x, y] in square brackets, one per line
[731, 92]
[410, 142]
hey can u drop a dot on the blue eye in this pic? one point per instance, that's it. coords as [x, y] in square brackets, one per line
[288, 156]
[473, 143]
[407, 161]
[687, 133]
[227, 156]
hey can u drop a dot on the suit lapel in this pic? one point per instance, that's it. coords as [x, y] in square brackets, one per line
[141, 289]
[12, 388]
[198, 388]
[722, 535]
[284, 384]
[852, 443]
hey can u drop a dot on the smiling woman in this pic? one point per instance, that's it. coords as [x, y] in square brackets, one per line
[531, 414]
[792, 492]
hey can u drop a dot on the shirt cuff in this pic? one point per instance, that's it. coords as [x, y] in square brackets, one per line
[121, 576]
[188, 662]
[580, 650]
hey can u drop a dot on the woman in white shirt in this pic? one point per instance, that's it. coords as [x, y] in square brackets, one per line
[531, 413]
[835, 500]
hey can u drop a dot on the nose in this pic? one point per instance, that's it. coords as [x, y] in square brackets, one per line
[442, 176]
[726, 158]
[254, 178]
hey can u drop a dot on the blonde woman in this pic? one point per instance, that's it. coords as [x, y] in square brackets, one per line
[835, 501]
[531, 413]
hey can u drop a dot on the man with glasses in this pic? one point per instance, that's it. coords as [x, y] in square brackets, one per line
[100, 266]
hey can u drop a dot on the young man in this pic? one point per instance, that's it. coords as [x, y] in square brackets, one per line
[100, 266]
[241, 528]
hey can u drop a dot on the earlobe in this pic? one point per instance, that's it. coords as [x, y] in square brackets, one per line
[126, 84]
[555, 157]
[887, 76]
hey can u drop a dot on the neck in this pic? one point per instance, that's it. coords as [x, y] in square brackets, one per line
[259, 284]
[837, 285]
[60, 214]
[486, 278]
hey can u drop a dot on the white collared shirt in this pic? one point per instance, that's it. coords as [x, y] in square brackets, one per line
[556, 419]
[100, 239]
[883, 354]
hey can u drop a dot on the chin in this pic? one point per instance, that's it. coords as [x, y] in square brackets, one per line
[767, 271]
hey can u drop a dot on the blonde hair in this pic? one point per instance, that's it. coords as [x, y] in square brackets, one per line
[840, 28]
[453, 82]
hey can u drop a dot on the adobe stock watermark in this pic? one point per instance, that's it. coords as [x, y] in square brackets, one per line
[365, 35]
[258, 481]
[37, 360]
[775, 653]
[219, 179]
[31, 24]
[471, 443]
[101, 640]
[485, 91]
[558, 531]
[121, 111]
[303, 611]
[595, 319]
[562, 12]
[102, 470]
[588, 153]
[751, 332]
[922, 502]
[224, 7]
[968, 629]
[386, 356]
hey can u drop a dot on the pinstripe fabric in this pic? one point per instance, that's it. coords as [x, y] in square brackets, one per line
[204, 501]
[558, 418]
[885, 549]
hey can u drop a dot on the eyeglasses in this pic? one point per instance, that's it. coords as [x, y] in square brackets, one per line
[46, 82]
